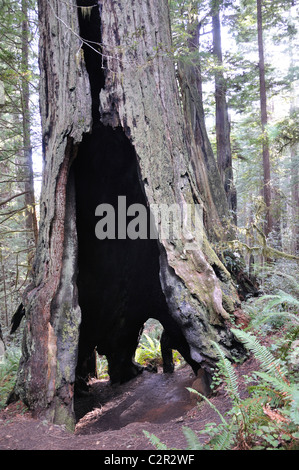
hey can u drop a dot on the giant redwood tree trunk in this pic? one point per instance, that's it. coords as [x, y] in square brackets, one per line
[113, 126]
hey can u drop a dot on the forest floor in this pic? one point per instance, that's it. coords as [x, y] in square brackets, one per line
[114, 417]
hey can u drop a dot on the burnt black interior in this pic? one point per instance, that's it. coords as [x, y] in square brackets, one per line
[118, 279]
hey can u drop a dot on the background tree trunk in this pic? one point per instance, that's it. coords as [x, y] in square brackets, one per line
[295, 199]
[294, 150]
[264, 122]
[31, 220]
[204, 166]
[224, 154]
[129, 113]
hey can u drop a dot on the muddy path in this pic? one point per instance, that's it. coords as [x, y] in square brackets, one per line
[151, 397]
[115, 417]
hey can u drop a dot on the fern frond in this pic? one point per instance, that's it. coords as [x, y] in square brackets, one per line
[229, 374]
[277, 299]
[155, 441]
[286, 316]
[150, 341]
[267, 361]
[225, 438]
[210, 403]
[292, 280]
[288, 298]
[278, 385]
[294, 409]
[192, 439]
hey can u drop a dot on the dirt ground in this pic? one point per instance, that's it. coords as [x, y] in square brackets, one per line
[114, 417]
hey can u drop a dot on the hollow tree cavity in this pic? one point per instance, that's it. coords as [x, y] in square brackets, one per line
[118, 279]
[113, 127]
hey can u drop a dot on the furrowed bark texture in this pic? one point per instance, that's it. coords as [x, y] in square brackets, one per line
[53, 316]
[208, 180]
[31, 220]
[224, 154]
[264, 121]
[138, 97]
[141, 95]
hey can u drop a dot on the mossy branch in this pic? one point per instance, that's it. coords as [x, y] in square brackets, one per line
[266, 250]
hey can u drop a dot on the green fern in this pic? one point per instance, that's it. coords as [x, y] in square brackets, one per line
[246, 425]
[281, 306]
[274, 374]
[8, 373]
[266, 359]
[279, 385]
[285, 316]
[155, 441]
[294, 408]
[149, 350]
[193, 442]
[222, 436]
[228, 374]
[210, 403]
[280, 298]
[224, 439]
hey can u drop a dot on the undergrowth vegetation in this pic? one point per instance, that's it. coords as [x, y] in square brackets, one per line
[148, 352]
[268, 418]
[9, 365]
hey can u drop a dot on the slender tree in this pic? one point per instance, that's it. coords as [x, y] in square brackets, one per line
[294, 151]
[17, 232]
[224, 153]
[264, 121]
[31, 220]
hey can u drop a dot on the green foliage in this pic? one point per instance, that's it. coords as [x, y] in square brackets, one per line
[267, 419]
[192, 439]
[275, 386]
[8, 372]
[229, 375]
[149, 351]
[270, 365]
[278, 313]
[15, 247]
[149, 348]
[155, 441]
[221, 436]
[275, 309]
[285, 132]
[102, 367]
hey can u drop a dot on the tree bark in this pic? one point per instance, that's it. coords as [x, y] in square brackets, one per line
[294, 158]
[264, 122]
[49, 352]
[206, 173]
[128, 114]
[31, 220]
[295, 199]
[224, 154]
